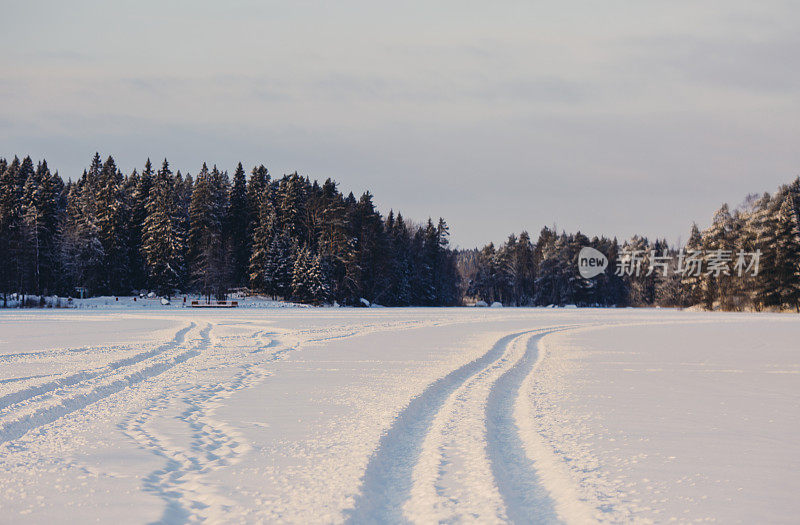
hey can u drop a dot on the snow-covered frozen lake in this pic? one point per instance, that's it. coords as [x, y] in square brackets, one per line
[393, 415]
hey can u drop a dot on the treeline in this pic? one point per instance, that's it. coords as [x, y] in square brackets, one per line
[545, 271]
[110, 233]
[521, 272]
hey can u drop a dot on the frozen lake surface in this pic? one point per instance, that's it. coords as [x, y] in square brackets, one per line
[394, 415]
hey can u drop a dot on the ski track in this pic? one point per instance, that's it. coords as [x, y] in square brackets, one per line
[444, 434]
[44, 406]
[463, 450]
[44, 388]
[182, 483]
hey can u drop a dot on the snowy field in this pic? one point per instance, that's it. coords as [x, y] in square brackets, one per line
[394, 415]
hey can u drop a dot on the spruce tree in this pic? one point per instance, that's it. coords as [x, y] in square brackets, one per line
[691, 279]
[279, 265]
[787, 254]
[263, 236]
[108, 233]
[319, 280]
[301, 276]
[290, 207]
[400, 267]
[334, 241]
[718, 239]
[81, 246]
[205, 234]
[41, 216]
[162, 244]
[140, 193]
[183, 197]
[238, 228]
[111, 217]
[11, 228]
[309, 279]
[208, 247]
[366, 277]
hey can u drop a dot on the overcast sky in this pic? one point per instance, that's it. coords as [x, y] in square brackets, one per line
[601, 116]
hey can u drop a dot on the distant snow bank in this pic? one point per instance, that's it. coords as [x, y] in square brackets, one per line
[150, 301]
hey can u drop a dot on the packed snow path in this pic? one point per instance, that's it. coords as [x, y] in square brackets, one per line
[450, 432]
[398, 415]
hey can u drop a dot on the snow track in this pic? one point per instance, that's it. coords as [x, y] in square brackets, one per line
[398, 415]
[37, 406]
[454, 453]
[525, 498]
[181, 482]
[69, 380]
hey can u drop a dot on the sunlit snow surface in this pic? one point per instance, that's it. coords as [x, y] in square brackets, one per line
[392, 415]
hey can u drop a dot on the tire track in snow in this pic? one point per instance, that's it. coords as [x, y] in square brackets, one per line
[452, 480]
[62, 382]
[55, 405]
[526, 499]
[455, 478]
[388, 477]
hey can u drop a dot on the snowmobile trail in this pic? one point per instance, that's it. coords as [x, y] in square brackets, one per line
[434, 415]
[31, 409]
[72, 379]
[434, 462]
[525, 498]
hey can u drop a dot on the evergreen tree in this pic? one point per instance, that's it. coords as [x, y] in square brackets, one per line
[718, 238]
[691, 280]
[108, 233]
[183, 198]
[309, 282]
[483, 285]
[279, 266]
[163, 244]
[258, 189]
[400, 270]
[41, 217]
[140, 193]
[552, 283]
[81, 246]
[786, 270]
[111, 218]
[290, 206]
[11, 228]
[206, 246]
[365, 278]
[238, 228]
[318, 280]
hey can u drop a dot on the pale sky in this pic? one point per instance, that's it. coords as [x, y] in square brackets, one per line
[607, 117]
